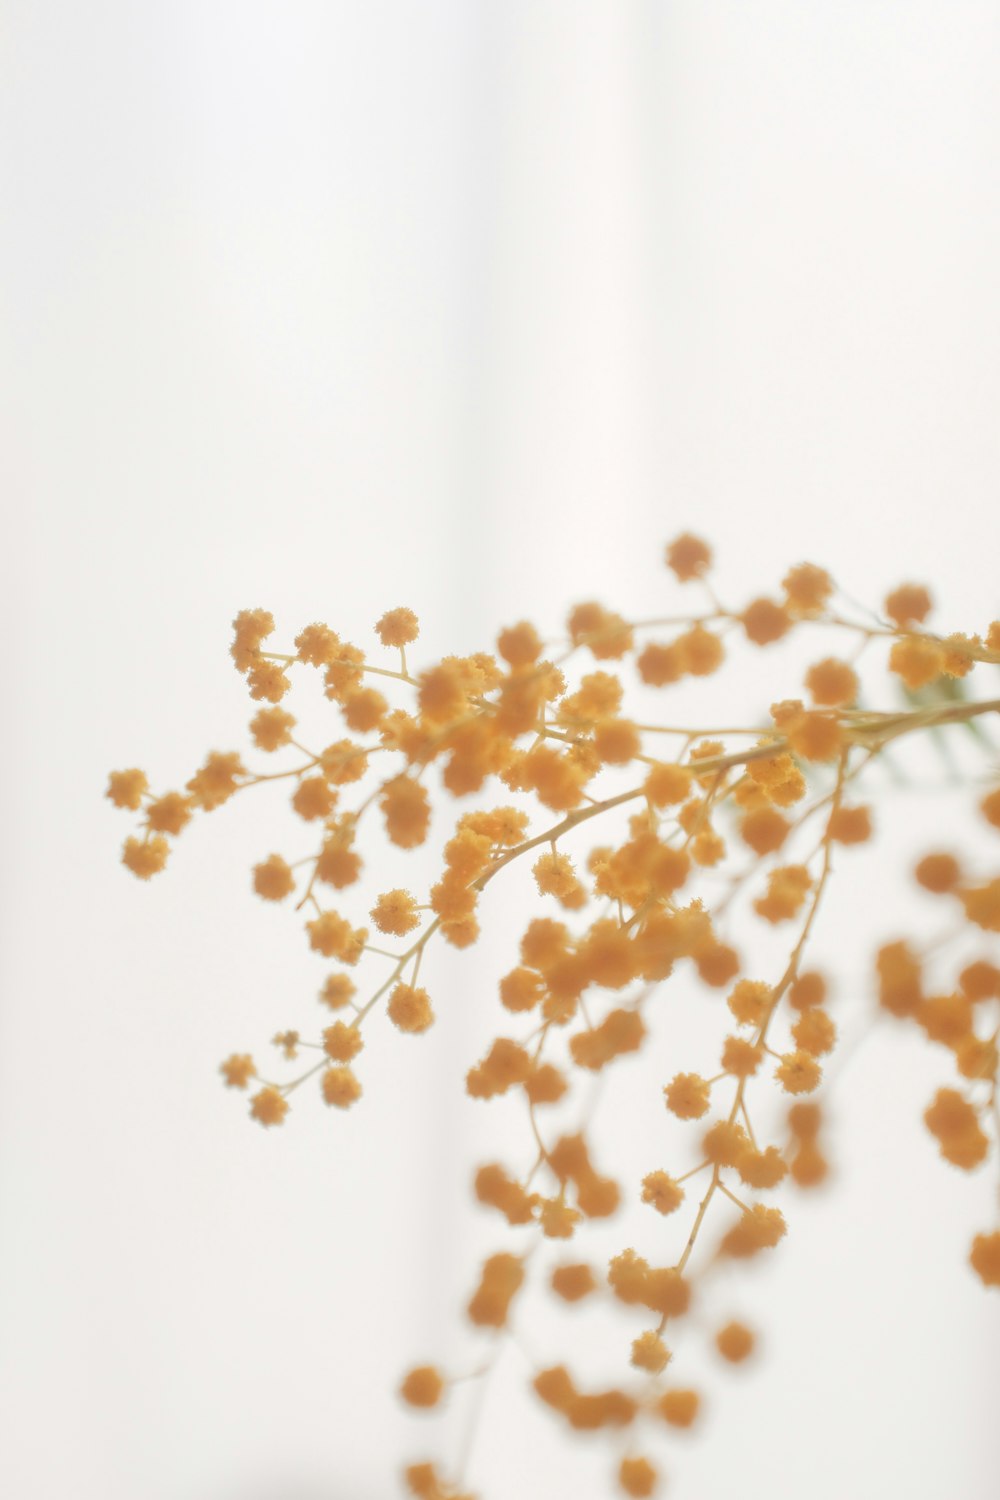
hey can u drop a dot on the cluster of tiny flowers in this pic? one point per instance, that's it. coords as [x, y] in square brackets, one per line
[541, 732]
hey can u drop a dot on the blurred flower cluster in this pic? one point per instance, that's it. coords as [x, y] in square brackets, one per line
[642, 837]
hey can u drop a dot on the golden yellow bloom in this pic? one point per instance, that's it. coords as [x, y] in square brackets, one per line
[735, 1342]
[661, 1191]
[126, 788]
[422, 1387]
[398, 627]
[687, 1096]
[689, 557]
[909, 604]
[679, 1407]
[238, 1070]
[273, 878]
[340, 1087]
[395, 912]
[269, 1106]
[637, 1476]
[573, 1282]
[410, 1008]
[145, 857]
[984, 1257]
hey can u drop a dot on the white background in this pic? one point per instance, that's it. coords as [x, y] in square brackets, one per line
[329, 307]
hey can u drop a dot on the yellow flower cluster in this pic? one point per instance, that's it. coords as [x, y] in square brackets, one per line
[547, 736]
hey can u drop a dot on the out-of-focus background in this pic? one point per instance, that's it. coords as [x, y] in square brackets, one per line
[329, 307]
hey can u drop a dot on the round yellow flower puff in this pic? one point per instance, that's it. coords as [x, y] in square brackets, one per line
[250, 627]
[317, 645]
[343, 762]
[269, 1106]
[422, 1481]
[661, 1192]
[422, 1387]
[340, 1087]
[238, 1070]
[759, 1229]
[809, 1167]
[338, 990]
[313, 798]
[555, 1386]
[977, 1057]
[659, 665]
[495, 1189]
[398, 627]
[725, 1142]
[815, 735]
[342, 1042]
[750, 1001]
[764, 830]
[649, 1352]
[761, 1169]
[330, 934]
[787, 888]
[807, 589]
[364, 709]
[765, 622]
[505, 1065]
[917, 661]
[145, 857]
[984, 1257]
[217, 780]
[980, 980]
[406, 807]
[741, 1058]
[688, 557]
[637, 1476]
[798, 1072]
[573, 1282]
[814, 1032]
[395, 912]
[806, 990]
[955, 1124]
[273, 878]
[499, 1282]
[410, 1008]
[850, 825]
[899, 979]
[982, 904]
[687, 1096]
[521, 989]
[990, 807]
[337, 864]
[938, 873]
[558, 1219]
[126, 788]
[910, 604]
[617, 741]
[699, 651]
[268, 680]
[832, 683]
[545, 1084]
[679, 1407]
[735, 1342]
[344, 672]
[605, 633]
[520, 645]
[667, 783]
[170, 813]
[804, 1120]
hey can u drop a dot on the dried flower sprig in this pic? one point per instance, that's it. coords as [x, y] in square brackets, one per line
[615, 923]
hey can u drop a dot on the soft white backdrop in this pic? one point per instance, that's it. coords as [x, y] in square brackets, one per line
[328, 307]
